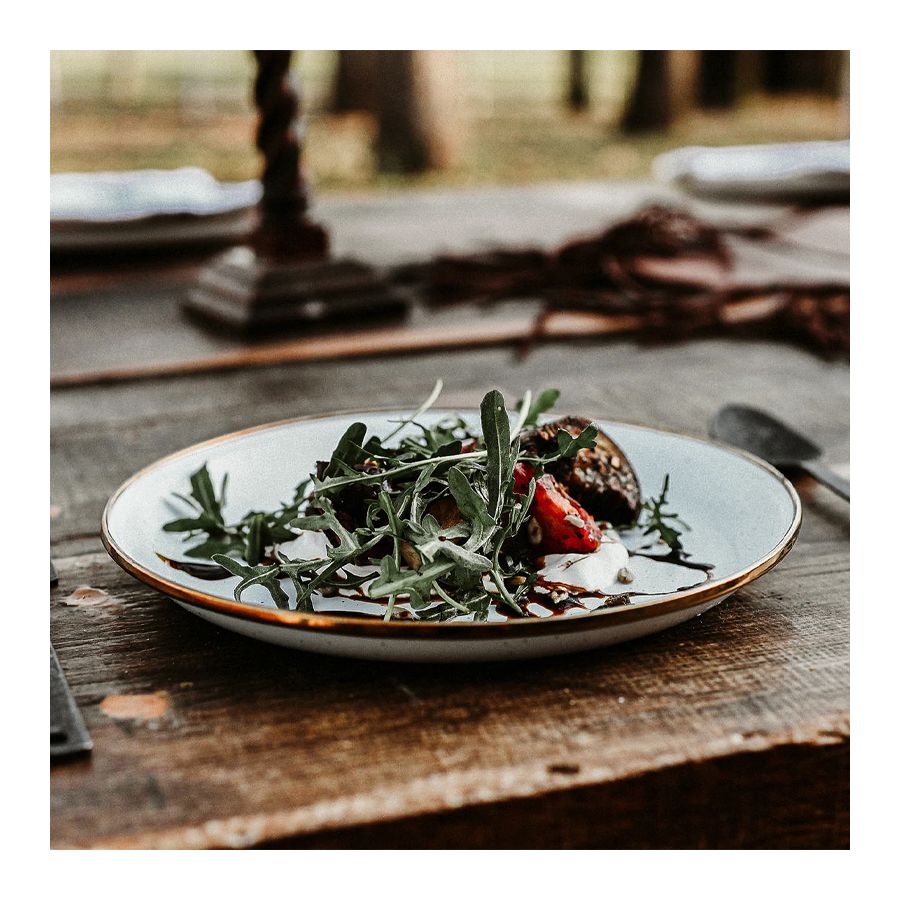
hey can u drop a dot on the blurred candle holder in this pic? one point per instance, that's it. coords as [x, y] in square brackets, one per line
[285, 275]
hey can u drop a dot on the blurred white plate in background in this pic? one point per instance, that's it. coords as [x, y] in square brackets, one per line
[772, 172]
[119, 210]
[123, 196]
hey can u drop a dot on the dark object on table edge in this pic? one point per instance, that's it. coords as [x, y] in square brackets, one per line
[68, 734]
[765, 436]
[243, 291]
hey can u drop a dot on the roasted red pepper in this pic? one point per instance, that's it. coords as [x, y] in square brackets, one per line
[559, 523]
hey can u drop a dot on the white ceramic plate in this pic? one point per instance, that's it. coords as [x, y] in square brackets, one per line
[744, 518]
[806, 170]
[91, 211]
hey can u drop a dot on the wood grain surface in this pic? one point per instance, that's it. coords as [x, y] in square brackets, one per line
[243, 744]
[696, 737]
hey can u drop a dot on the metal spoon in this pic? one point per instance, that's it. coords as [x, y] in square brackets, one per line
[759, 433]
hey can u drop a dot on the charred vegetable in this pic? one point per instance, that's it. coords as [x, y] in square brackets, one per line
[600, 477]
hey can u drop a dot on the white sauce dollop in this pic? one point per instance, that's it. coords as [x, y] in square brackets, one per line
[588, 573]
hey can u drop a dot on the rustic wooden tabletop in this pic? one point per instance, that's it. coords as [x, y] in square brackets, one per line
[729, 731]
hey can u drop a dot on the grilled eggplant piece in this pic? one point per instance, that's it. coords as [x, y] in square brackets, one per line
[600, 479]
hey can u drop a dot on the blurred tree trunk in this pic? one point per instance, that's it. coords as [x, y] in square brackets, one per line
[577, 96]
[718, 78]
[355, 81]
[817, 71]
[416, 105]
[650, 107]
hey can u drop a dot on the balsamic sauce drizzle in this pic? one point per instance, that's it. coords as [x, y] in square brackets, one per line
[676, 558]
[203, 571]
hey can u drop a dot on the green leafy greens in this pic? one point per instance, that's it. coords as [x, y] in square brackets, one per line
[431, 520]
[654, 520]
[246, 538]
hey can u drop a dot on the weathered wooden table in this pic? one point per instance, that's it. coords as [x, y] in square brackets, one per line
[729, 731]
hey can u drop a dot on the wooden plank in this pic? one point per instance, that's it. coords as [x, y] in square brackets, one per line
[751, 786]
[203, 738]
[371, 342]
[520, 329]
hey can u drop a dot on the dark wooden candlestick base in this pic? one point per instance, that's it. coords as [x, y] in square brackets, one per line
[246, 291]
[284, 276]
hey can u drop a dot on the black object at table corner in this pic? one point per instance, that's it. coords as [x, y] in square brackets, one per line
[770, 439]
[68, 734]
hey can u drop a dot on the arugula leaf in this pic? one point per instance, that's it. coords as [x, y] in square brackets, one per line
[395, 526]
[569, 446]
[203, 498]
[474, 562]
[499, 463]
[267, 576]
[197, 524]
[656, 519]
[417, 500]
[471, 504]
[348, 450]
[213, 545]
[429, 402]
[522, 507]
[327, 520]
[257, 539]
[394, 580]
[428, 537]
[545, 401]
[204, 493]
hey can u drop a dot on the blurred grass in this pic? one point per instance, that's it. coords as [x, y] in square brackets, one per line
[164, 109]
